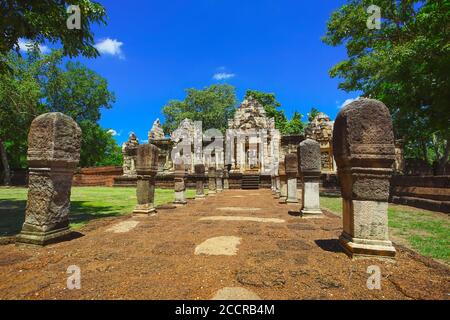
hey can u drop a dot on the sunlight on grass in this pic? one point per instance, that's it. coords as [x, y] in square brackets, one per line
[87, 203]
[424, 231]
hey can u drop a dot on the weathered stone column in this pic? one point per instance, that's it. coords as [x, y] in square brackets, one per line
[363, 143]
[273, 184]
[199, 181]
[219, 180]
[180, 184]
[277, 186]
[212, 181]
[146, 169]
[291, 165]
[310, 167]
[226, 182]
[54, 144]
[283, 182]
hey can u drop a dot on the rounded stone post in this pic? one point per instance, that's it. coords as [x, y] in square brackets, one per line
[146, 169]
[283, 182]
[310, 168]
[291, 165]
[199, 181]
[212, 181]
[277, 186]
[226, 182]
[180, 184]
[363, 144]
[219, 180]
[54, 142]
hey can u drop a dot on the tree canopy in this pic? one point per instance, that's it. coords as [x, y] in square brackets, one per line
[41, 20]
[273, 110]
[212, 105]
[36, 84]
[405, 64]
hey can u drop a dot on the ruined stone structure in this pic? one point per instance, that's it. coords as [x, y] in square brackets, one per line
[54, 143]
[180, 184]
[291, 167]
[321, 130]
[252, 139]
[212, 189]
[156, 137]
[283, 181]
[129, 156]
[309, 165]
[199, 181]
[219, 180]
[365, 153]
[146, 169]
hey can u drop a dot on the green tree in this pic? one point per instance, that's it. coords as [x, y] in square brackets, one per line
[272, 108]
[312, 114]
[39, 83]
[295, 125]
[405, 64]
[212, 105]
[40, 20]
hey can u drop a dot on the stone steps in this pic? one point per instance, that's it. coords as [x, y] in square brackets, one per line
[250, 182]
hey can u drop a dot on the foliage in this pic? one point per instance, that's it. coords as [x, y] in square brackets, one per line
[37, 84]
[271, 106]
[405, 64]
[40, 20]
[212, 105]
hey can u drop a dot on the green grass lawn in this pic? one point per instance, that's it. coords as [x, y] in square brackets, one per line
[424, 231]
[87, 203]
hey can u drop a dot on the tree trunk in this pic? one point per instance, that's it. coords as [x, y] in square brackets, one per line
[444, 160]
[4, 160]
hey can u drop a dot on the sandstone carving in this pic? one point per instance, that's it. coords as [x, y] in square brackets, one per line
[364, 151]
[54, 144]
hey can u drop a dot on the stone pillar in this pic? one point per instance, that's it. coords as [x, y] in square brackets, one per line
[291, 165]
[277, 186]
[219, 180]
[364, 150]
[146, 169]
[212, 181]
[226, 182]
[199, 181]
[180, 184]
[283, 182]
[310, 167]
[54, 144]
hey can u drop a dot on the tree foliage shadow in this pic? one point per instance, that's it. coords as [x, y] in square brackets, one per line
[12, 214]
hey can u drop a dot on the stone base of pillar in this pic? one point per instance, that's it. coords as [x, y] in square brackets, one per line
[308, 213]
[277, 195]
[30, 236]
[144, 210]
[291, 201]
[212, 192]
[282, 200]
[355, 247]
[200, 197]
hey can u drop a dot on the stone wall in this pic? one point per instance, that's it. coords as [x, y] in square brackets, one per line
[96, 177]
[426, 192]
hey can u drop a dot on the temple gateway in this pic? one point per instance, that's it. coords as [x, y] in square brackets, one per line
[249, 151]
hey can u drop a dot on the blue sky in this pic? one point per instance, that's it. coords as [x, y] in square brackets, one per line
[154, 50]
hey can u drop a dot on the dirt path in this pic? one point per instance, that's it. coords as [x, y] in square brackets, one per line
[194, 252]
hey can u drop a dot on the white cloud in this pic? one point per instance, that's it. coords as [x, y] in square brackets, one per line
[348, 101]
[111, 47]
[223, 76]
[113, 132]
[25, 45]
